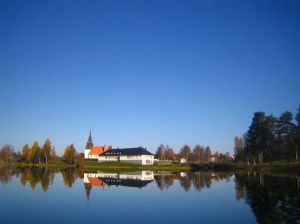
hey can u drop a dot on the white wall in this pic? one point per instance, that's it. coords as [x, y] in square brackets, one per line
[140, 159]
[147, 159]
[86, 153]
[139, 175]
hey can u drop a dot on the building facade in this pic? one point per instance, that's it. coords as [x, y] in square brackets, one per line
[138, 155]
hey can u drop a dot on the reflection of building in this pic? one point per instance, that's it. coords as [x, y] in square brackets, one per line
[108, 154]
[137, 179]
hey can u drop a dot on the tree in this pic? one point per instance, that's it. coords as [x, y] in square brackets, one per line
[198, 153]
[207, 153]
[7, 153]
[53, 153]
[286, 132]
[238, 149]
[80, 159]
[160, 152]
[297, 133]
[36, 152]
[185, 152]
[70, 154]
[169, 153]
[260, 136]
[46, 150]
[26, 153]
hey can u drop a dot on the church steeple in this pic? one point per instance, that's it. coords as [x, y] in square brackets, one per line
[89, 143]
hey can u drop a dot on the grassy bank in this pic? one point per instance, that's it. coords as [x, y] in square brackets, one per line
[50, 163]
[113, 166]
[277, 166]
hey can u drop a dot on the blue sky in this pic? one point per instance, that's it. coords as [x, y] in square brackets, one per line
[145, 72]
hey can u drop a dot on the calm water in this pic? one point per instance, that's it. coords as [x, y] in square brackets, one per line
[72, 196]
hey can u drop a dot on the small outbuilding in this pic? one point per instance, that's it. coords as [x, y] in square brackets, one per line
[182, 160]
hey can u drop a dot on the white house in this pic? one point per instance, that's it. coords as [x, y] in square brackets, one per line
[137, 155]
[131, 155]
[182, 160]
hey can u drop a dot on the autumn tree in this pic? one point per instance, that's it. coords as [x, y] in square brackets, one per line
[7, 153]
[26, 154]
[36, 152]
[80, 159]
[46, 150]
[70, 154]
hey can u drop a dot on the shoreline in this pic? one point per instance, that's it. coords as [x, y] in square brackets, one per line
[278, 166]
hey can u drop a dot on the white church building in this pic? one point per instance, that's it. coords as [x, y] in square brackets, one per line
[137, 155]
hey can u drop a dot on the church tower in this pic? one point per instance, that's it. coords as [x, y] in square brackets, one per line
[89, 146]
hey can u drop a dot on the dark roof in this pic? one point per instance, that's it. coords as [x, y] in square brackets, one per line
[126, 182]
[126, 152]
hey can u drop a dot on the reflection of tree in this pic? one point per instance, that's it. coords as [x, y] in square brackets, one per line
[164, 181]
[6, 173]
[198, 179]
[38, 175]
[35, 175]
[69, 176]
[47, 178]
[185, 181]
[201, 180]
[272, 199]
[159, 179]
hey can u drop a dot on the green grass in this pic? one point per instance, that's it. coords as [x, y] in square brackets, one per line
[51, 163]
[284, 166]
[276, 166]
[107, 166]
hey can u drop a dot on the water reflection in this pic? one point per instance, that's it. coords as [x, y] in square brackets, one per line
[198, 180]
[272, 198]
[136, 179]
[35, 176]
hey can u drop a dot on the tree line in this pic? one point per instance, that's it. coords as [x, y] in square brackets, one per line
[198, 154]
[36, 154]
[269, 138]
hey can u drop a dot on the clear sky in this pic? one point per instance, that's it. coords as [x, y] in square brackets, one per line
[145, 72]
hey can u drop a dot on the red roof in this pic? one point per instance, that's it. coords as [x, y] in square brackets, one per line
[97, 182]
[96, 150]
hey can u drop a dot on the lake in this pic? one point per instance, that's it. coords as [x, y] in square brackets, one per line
[41, 195]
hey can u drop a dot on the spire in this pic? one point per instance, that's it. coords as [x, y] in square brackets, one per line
[88, 188]
[89, 143]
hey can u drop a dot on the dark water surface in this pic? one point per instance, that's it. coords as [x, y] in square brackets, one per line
[73, 196]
